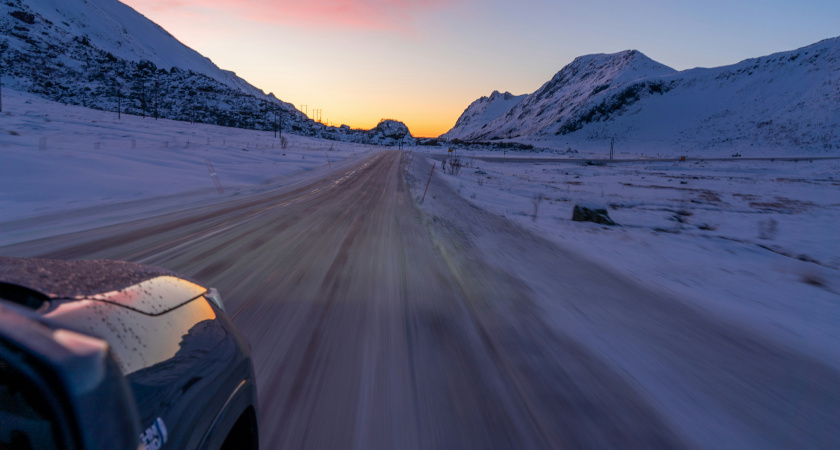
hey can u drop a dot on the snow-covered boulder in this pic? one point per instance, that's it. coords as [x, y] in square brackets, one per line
[390, 132]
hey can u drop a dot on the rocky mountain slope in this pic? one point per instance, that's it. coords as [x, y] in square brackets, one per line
[104, 55]
[784, 100]
[483, 111]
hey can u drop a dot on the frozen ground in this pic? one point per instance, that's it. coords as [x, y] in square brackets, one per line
[566, 147]
[755, 242]
[83, 168]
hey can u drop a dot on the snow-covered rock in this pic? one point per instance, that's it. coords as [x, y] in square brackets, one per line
[390, 132]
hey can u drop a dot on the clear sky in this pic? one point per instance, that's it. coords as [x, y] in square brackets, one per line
[424, 61]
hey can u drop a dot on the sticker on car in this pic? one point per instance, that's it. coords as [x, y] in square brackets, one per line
[155, 436]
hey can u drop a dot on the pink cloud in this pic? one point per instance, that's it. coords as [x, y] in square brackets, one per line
[354, 14]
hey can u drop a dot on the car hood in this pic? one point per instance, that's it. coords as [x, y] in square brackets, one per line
[146, 289]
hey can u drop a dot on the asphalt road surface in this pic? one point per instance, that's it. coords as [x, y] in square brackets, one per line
[376, 326]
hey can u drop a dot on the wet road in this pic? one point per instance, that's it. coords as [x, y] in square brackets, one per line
[375, 327]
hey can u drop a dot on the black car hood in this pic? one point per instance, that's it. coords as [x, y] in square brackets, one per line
[59, 279]
[146, 289]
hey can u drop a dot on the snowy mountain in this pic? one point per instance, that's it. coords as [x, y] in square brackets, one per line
[125, 33]
[104, 55]
[483, 111]
[577, 84]
[788, 99]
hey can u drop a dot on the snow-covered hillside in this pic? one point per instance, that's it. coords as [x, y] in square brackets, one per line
[117, 28]
[102, 54]
[785, 100]
[79, 166]
[481, 112]
[587, 77]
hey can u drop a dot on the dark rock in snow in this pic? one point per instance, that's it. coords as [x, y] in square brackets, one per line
[390, 132]
[592, 213]
[391, 129]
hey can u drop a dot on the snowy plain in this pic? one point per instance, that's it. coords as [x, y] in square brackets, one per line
[73, 168]
[754, 242]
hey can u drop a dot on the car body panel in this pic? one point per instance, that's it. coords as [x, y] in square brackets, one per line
[173, 344]
[76, 380]
[139, 340]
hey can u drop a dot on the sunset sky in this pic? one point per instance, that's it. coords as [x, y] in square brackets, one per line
[424, 61]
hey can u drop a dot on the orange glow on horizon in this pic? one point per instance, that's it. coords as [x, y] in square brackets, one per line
[328, 55]
[421, 127]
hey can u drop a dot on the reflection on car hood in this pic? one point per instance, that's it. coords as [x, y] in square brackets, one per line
[155, 296]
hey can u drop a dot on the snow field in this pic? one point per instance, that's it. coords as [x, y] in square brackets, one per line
[75, 168]
[754, 241]
[55, 157]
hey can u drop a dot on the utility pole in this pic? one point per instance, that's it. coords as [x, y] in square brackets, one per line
[143, 98]
[305, 110]
[156, 99]
[3, 47]
[612, 146]
[276, 126]
[119, 102]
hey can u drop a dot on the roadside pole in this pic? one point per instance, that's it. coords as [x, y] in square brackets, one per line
[215, 177]
[411, 160]
[427, 183]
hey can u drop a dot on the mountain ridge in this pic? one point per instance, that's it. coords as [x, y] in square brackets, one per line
[486, 109]
[758, 99]
[126, 33]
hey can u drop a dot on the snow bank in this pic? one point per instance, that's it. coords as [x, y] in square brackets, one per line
[755, 242]
[55, 159]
